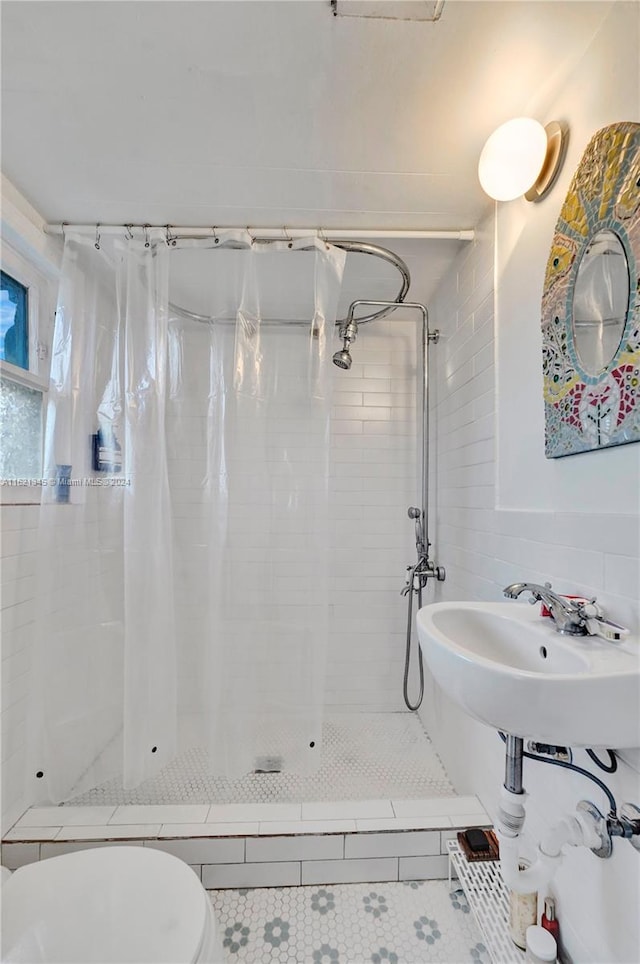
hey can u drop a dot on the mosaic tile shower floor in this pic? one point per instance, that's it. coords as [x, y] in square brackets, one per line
[412, 922]
[364, 756]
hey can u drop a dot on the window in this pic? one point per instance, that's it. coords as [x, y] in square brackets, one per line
[24, 296]
[21, 421]
[14, 322]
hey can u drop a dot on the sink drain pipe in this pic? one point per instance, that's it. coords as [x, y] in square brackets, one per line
[514, 755]
[578, 830]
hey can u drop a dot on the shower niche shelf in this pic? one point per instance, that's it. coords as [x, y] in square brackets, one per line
[488, 898]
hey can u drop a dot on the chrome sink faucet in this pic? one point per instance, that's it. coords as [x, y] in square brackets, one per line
[571, 617]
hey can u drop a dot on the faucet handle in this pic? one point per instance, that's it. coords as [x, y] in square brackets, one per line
[596, 624]
[590, 610]
[536, 597]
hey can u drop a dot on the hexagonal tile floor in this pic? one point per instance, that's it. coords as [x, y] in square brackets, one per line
[413, 922]
[364, 756]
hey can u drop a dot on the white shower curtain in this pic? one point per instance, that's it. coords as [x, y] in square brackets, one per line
[183, 536]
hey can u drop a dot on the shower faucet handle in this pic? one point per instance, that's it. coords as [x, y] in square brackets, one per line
[413, 512]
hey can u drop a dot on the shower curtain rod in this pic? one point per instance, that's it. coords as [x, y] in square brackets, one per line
[172, 236]
[273, 234]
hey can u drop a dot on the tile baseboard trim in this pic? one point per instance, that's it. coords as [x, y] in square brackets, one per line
[269, 861]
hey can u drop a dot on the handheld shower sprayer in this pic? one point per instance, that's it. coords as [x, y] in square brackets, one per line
[414, 513]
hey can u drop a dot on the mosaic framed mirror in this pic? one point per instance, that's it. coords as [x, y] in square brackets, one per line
[591, 302]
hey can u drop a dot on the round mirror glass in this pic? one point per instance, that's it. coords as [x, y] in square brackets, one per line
[600, 301]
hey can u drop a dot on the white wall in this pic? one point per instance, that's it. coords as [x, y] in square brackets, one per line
[603, 87]
[506, 514]
[22, 228]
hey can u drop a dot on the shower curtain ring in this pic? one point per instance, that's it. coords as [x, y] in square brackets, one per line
[216, 239]
[168, 237]
[129, 234]
[251, 237]
[146, 235]
[287, 236]
[323, 238]
[97, 242]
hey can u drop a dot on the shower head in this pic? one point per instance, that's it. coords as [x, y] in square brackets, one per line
[342, 359]
[348, 334]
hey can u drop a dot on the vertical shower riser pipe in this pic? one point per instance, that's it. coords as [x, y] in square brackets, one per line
[425, 430]
[427, 337]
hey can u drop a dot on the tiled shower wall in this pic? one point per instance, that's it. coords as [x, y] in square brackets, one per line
[78, 578]
[373, 481]
[17, 562]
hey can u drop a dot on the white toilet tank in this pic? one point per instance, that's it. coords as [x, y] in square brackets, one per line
[108, 905]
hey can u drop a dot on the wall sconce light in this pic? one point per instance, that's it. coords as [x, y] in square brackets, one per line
[522, 157]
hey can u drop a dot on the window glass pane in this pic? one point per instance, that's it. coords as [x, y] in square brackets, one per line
[21, 427]
[14, 322]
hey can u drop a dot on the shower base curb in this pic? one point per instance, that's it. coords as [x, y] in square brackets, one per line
[375, 841]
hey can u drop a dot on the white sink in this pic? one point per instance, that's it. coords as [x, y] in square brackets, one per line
[506, 666]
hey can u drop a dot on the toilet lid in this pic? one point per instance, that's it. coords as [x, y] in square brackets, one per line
[110, 904]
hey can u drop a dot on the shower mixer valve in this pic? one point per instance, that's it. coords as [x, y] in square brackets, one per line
[419, 575]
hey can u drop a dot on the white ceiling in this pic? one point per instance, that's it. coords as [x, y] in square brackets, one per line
[265, 113]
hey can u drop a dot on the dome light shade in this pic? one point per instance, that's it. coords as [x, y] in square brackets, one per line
[513, 158]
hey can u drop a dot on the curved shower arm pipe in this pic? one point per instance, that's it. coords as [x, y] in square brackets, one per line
[427, 338]
[386, 255]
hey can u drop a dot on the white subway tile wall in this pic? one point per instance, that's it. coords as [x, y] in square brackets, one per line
[17, 568]
[225, 851]
[392, 844]
[80, 583]
[295, 848]
[285, 874]
[373, 467]
[373, 481]
[349, 871]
